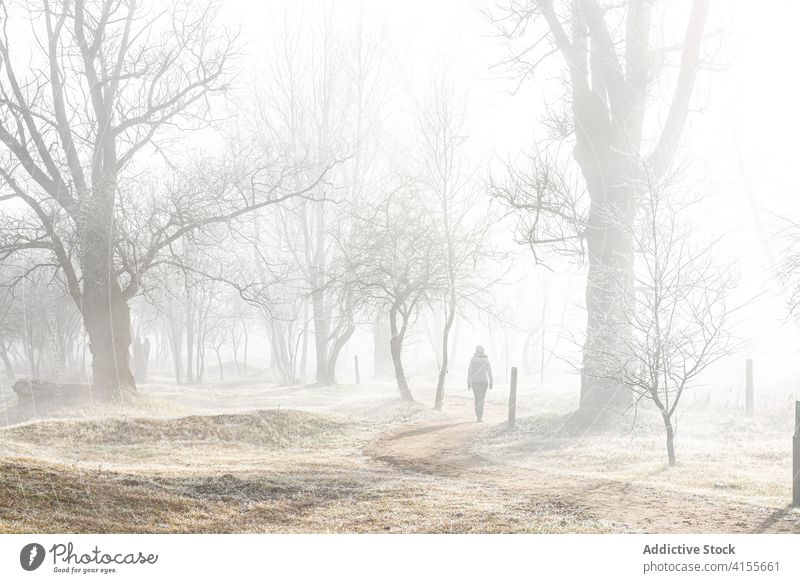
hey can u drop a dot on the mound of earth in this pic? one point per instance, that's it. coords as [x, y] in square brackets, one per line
[138, 405]
[270, 428]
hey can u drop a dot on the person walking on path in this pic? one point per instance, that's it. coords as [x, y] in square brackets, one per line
[479, 379]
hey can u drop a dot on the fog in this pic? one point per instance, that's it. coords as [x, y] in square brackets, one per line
[334, 209]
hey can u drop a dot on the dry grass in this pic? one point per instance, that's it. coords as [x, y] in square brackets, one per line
[142, 404]
[44, 498]
[151, 467]
[263, 428]
[272, 470]
[720, 454]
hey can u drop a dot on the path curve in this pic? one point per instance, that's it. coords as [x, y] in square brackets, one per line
[445, 449]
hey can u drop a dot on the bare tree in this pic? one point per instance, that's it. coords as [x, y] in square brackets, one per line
[102, 218]
[65, 159]
[613, 54]
[677, 312]
[40, 331]
[790, 267]
[217, 340]
[462, 221]
[396, 265]
[319, 103]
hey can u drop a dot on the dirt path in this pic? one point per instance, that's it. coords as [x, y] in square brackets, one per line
[445, 449]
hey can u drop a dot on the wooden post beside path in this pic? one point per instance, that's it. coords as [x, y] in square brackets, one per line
[796, 457]
[512, 400]
[748, 400]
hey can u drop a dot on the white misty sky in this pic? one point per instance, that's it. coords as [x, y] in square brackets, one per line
[756, 91]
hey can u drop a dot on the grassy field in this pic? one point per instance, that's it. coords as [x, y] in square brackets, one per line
[719, 453]
[251, 457]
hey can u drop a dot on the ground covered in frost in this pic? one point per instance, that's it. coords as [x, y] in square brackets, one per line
[247, 456]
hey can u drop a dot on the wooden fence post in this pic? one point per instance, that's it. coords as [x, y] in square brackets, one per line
[796, 457]
[512, 400]
[748, 406]
[358, 374]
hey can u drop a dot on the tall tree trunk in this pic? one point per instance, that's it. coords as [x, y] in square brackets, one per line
[200, 359]
[175, 335]
[107, 319]
[382, 354]
[322, 333]
[235, 346]
[456, 336]
[610, 277]
[30, 356]
[6, 360]
[245, 346]
[84, 346]
[670, 439]
[608, 119]
[105, 312]
[275, 355]
[219, 363]
[610, 173]
[451, 316]
[281, 362]
[189, 340]
[202, 333]
[304, 344]
[396, 350]
[333, 356]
